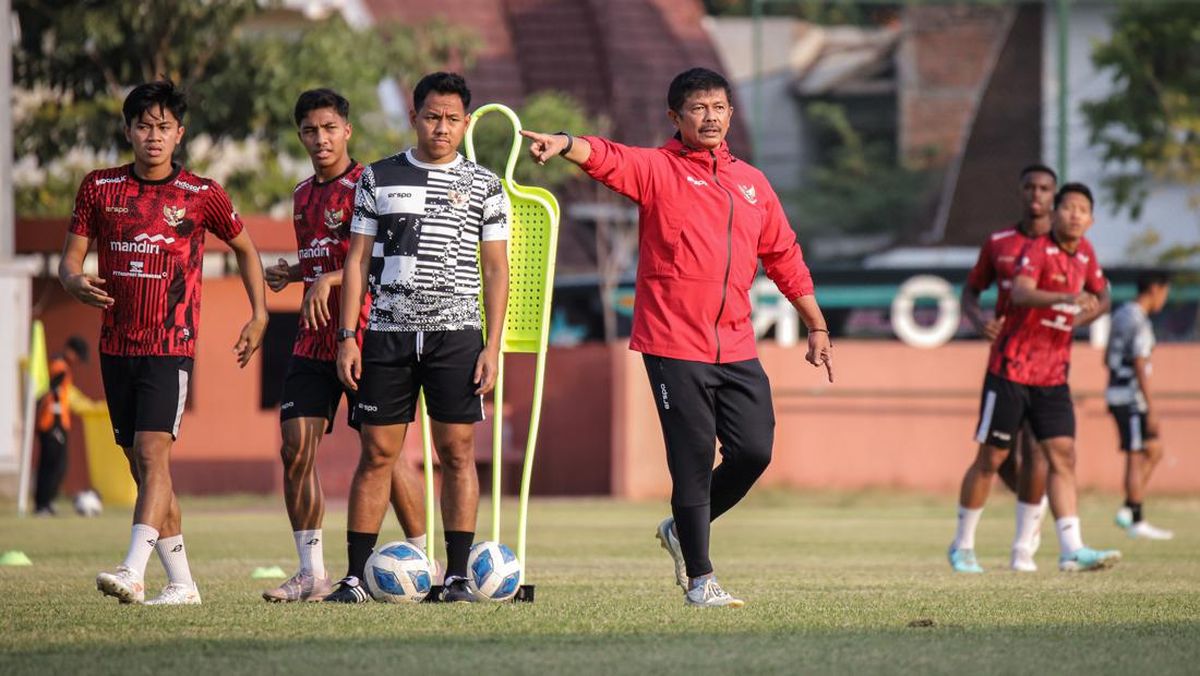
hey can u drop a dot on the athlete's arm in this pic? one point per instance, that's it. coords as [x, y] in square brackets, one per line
[354, 275]
[820, 350]
[251, 270]
[314, 309]
[546, 146]
[1101, 305]
[493, 256]
[981, 276]
[86, 288]
[1026, 294]
[281, 274]
[969, 302]
[1141, 371]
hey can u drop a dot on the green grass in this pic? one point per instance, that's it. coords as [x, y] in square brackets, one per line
[832, 583]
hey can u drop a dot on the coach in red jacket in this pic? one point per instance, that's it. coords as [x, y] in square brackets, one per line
[706, 220]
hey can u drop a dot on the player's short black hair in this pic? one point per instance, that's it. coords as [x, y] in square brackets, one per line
[1039, 169]
[316, 99]
[79, 346]
[695, 80]
[1074, 187]
[441, 83]
[1147, 279]
[160, 93]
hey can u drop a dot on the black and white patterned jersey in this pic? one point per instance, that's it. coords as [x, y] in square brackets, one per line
[1131, 336]
[427, 221]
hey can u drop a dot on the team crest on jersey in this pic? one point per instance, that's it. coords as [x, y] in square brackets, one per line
[334, 219]
[457, 198]
[749, 193]
[174, 215]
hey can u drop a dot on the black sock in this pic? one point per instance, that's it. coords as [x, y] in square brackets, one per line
[358, 548]
[692, 527]
[458, 548]
[1136, 508]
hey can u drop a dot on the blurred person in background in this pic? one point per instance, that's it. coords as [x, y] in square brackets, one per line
[1024, 470]
[1130, 343]
[54, 423]
[1058, 287]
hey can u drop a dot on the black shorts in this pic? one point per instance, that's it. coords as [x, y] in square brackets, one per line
[396, 365]
[1131, 425]
[145, 394]
[1005, 404]
[311, 389]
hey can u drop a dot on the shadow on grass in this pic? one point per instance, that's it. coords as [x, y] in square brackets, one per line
[1159, 648]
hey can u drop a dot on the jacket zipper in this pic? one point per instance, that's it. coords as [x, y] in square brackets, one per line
[728, 256]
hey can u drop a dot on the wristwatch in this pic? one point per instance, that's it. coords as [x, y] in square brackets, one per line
[346, 334]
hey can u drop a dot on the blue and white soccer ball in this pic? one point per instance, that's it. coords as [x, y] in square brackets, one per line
[398, 573]
[493, 571]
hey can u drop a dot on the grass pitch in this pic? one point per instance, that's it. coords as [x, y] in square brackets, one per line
[834, 584]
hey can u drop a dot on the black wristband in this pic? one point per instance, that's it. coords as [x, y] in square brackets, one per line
[570, 141]
[818, 330]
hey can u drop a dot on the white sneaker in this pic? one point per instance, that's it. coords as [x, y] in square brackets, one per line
[124, 584]
[1143, 530]
[176, 595]
[1022, 561]
[709, 594]
[668, 540]
[300, 587]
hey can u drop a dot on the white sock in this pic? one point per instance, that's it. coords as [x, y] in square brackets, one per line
[968, 521]
[1070, 537]
[142, 539]
[418, 541]
[1029, 522]
[174, 560]
[311, 550]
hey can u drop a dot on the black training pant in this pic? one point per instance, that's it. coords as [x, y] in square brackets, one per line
[52, 466]
[699, 405]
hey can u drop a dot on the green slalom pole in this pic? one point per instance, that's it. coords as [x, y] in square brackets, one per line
[532, 247]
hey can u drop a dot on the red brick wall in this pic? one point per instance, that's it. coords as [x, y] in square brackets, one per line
[943, 59]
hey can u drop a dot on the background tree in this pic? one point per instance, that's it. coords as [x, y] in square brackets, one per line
[859, 188]
[1148, 129]
[77, 59]
[545, 110]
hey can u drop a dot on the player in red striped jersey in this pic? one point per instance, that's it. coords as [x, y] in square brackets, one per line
[149, 220]
[1024, 470]
[322, 207]
[1058, 286]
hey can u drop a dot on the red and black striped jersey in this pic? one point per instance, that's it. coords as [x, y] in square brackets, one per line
[321, 214]
[1034, 345]
[997, 263]
[150, 241]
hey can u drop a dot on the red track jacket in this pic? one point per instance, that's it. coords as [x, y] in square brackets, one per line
[706, 218]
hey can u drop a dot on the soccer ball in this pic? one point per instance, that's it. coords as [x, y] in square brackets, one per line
[398, 573]
[88, 503]
[493, 571]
